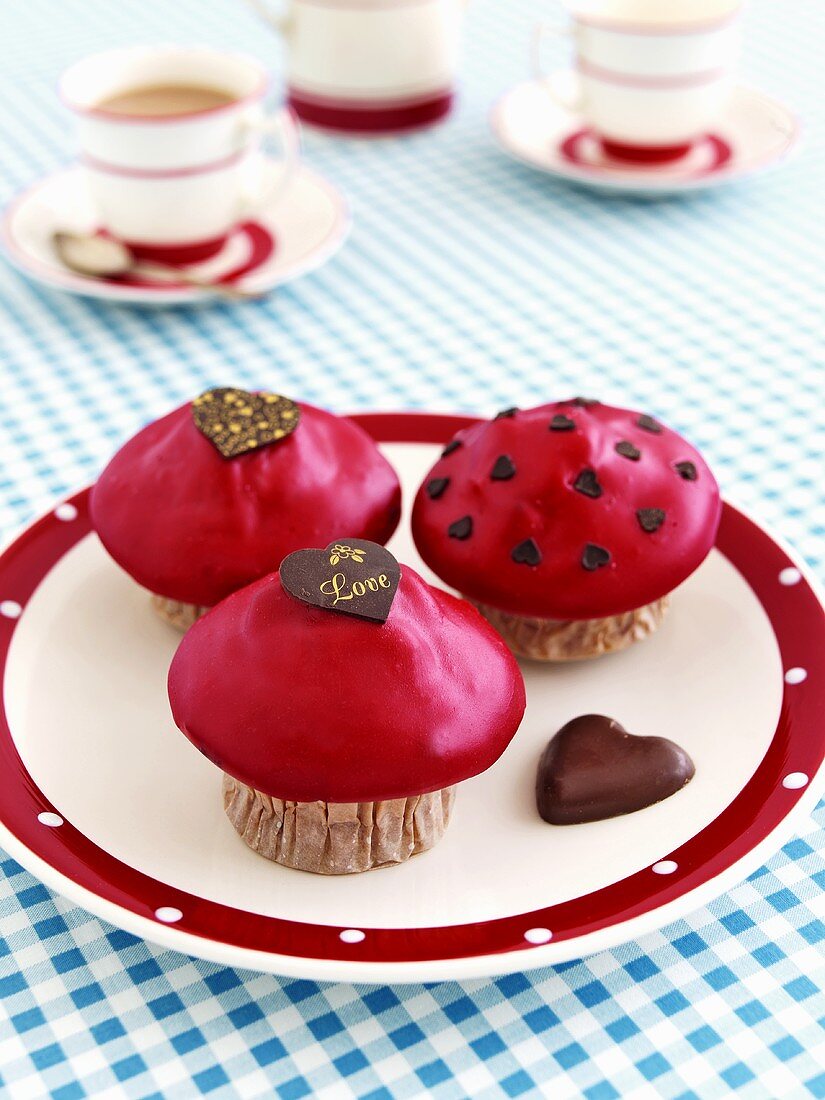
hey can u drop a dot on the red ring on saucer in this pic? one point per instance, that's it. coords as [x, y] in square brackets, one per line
[652, 158]
[260, 243]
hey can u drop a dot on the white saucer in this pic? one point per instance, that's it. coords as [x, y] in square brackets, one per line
[754, 133]
[305, 228]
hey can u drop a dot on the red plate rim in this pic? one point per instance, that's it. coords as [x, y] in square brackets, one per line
[718, 856]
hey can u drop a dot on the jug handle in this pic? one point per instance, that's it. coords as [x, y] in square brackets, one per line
[280, 19]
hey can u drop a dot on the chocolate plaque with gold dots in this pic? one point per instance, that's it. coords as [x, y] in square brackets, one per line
[235, 421]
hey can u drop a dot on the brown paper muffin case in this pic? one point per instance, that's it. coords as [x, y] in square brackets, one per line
[551, 640]
[179, 615]
[336, 838]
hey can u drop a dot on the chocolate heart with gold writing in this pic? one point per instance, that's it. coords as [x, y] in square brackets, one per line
[236, 421]
[352, 576]
[593, 769]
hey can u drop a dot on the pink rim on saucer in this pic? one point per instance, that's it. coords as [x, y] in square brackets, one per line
[757, 132]
[716, 857]
[252, 252]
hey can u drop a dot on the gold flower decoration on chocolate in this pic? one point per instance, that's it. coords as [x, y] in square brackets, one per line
[339, 552]
[236, 421]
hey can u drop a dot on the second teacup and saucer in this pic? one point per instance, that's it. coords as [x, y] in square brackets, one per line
[183, 167]
[652, 106]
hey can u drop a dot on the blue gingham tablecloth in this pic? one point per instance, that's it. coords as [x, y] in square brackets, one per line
[470, 283]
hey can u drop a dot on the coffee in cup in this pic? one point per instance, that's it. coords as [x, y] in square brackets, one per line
[162, 100]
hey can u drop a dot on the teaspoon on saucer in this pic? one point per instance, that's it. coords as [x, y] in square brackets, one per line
[104, 258]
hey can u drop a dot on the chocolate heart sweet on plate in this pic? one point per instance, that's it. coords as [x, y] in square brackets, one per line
[594, 769]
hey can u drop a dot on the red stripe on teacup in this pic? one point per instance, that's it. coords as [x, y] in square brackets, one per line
[365, 5]
[636, 80]
[378, 99]
[161, 173]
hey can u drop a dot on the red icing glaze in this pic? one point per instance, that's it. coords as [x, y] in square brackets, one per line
[307, 704]
[539, 502]
[194, 526]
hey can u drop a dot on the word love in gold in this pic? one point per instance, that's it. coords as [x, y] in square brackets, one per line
[340, 588]
[354, 577]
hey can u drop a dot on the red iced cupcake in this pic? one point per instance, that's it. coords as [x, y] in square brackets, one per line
[215, 494]
[567, 525]
[344, 698]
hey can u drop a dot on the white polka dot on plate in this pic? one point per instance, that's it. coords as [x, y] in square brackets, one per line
[10, 609]
[795, 780]
[796, 675]
[665, 867]
[538, 935]
[54, 821]
[790, 576]
[66, 512]
[352, 935]
[168, 914]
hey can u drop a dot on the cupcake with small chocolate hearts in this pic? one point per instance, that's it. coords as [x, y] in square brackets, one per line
[567, 525]
[215, 494]
[344, 698]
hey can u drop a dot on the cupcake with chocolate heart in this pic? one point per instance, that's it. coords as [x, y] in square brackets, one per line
[344, 698]
[215, 494]
[567, 525]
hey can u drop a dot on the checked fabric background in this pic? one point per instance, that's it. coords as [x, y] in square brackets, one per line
[469, 283]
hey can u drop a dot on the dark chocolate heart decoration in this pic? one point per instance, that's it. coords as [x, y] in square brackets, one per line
[686, 470]
[650, 519]
[453, 445]
[626, 449]
[562, 423]
[593, 769]
[526, 553]
[352, 576]
[235, 421]
[594, 557]
[505, 414]
[587, 483]
[649, 424]
[503, 469]
[436, 487]
[461, 529]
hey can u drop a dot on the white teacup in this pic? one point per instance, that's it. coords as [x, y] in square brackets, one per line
[369, 66]
[653, 75]
[172, 186]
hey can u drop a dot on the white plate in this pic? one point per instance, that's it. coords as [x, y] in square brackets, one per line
[754, 133]
[301, 232]
[86, 705]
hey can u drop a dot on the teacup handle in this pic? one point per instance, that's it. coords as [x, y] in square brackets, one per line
[281, 20]
[280, 130]
[541, 32]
